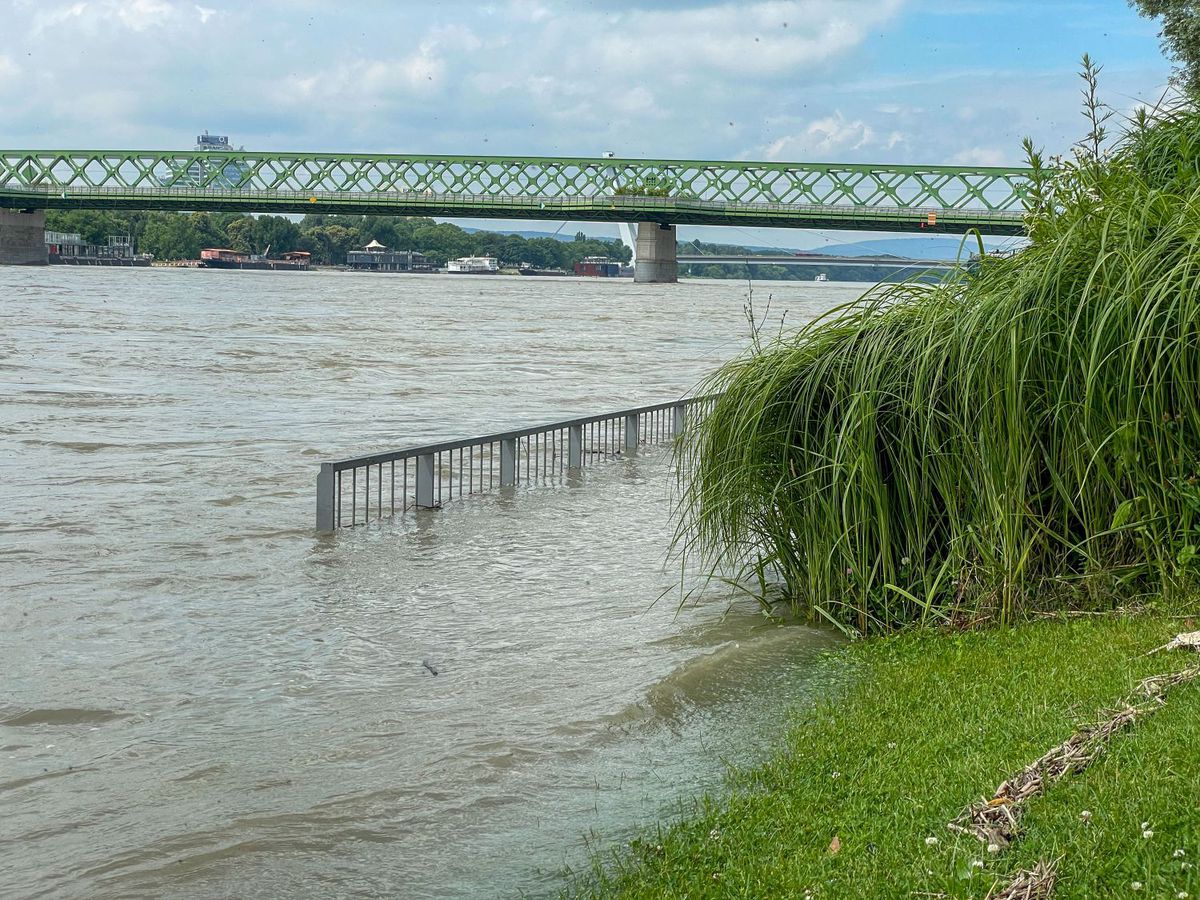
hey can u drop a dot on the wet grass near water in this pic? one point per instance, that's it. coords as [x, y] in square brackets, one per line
[856, 802]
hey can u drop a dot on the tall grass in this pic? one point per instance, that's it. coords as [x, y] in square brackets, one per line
[1027, 433]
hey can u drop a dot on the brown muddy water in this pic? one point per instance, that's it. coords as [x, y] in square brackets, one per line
[201, 697]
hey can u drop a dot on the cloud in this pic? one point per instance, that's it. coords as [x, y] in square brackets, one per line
[772, 39]
[982, 156]
[829, 136]
[93, 16]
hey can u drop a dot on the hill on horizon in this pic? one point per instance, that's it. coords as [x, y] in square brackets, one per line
[915, 247]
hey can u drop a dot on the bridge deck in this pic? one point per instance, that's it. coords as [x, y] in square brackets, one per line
[582, 209]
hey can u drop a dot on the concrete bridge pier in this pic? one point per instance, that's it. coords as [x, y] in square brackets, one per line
[23, 237]
[655, 262]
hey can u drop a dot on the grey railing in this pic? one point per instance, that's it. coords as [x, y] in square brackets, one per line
[370, 488]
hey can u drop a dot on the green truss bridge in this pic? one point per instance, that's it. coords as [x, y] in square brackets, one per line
[658, 194]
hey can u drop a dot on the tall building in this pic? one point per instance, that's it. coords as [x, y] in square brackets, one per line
[213, 173]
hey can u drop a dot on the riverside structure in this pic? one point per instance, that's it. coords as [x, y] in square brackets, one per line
[658, 194]
[425, 477]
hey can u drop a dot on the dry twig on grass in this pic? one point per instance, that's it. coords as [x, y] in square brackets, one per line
[994, 821]
[1028, 884]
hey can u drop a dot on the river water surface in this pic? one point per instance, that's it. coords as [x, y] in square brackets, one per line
[199, 696]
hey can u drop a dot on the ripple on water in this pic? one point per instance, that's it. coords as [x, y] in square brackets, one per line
[31, 717]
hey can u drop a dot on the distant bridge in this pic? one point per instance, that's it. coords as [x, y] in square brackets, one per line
[890, 262]
[657, 193]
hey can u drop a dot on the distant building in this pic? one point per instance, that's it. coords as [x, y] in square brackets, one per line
[70, 247]
[375, 257]
[211, 174]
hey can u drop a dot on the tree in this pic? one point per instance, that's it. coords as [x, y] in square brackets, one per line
[1180, 36]
[240, 233]
[276, 232]
[330, 243]
[170, 236]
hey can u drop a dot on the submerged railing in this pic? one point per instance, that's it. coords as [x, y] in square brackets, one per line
[357, 491]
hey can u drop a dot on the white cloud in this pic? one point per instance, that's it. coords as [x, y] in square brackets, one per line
[830, 135]
[765, 38]
[982, 156]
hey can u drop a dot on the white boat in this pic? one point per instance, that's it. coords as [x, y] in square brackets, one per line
[473, 265]
[821, 277]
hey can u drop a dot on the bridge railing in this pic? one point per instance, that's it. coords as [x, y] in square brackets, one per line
[364, 489]
[624, 206]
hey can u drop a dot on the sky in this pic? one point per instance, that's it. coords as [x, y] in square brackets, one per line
[887, 81]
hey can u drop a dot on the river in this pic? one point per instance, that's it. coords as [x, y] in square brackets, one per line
[202, 697]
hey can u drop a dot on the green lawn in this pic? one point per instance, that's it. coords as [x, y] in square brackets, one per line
[927, 723]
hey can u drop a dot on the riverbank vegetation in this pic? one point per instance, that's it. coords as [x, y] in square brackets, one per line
[170, 235]
[857, 800]
[1023, 437]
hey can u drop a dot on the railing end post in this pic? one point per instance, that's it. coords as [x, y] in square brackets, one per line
[632, 421]
[326, 502]
[508, 462]
[575, 446]
[678, 419]
[425, 481]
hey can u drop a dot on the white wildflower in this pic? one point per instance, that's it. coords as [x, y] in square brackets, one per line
[1135, 886]
[931, 841]
[993, 848]
[1086, 815]
[1147, 834]
[1178, 853]
[977, 864]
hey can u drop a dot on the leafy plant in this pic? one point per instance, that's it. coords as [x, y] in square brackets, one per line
[1024, 434]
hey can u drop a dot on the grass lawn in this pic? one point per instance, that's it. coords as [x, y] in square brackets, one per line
[926, 723]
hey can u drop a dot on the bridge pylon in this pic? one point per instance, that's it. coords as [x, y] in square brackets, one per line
[23, 237]
[656, 261]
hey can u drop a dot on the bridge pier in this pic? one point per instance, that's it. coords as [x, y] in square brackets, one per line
[656, 262]
[23, 237]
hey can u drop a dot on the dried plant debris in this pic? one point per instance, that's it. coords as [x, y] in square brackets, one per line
[1155, 687]
[1028, 884]
[1186, 641]
[995, 822]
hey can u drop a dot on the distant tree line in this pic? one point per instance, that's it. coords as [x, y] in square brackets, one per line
[170, 235]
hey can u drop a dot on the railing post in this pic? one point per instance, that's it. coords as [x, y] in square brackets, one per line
[508, 462]
[575, 446]
[631, 431]
[678, 419]
[326, 501]
[425, 481]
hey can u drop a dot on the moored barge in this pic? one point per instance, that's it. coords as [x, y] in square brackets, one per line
[220, 258]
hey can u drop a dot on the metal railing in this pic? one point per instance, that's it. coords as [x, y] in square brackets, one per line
[371, 488]
[958, 214]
